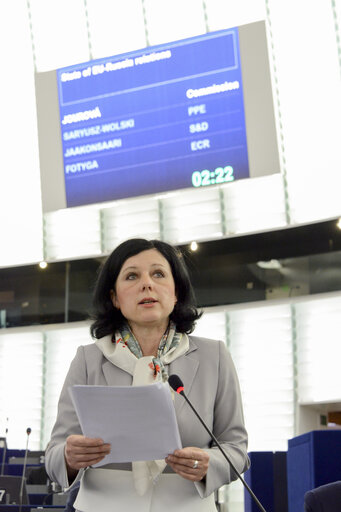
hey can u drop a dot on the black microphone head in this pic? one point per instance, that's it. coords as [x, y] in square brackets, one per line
[28, 431]
[176, 383]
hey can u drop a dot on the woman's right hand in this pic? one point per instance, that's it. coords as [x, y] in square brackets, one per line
[81, 452]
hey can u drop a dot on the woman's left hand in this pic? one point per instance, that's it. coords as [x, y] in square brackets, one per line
[190, 463]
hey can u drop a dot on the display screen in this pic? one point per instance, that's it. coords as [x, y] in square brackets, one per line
[163, 118]
[193, 113]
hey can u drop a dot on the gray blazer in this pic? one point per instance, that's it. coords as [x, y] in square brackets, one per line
[211, 384]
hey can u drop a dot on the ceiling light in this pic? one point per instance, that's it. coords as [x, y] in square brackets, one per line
[269, 265]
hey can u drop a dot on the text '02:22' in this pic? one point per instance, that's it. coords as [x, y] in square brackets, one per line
[218, 176]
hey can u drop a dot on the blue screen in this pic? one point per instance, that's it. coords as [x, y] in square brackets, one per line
[163, 118]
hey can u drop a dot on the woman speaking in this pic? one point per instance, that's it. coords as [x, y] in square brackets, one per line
[143, 314]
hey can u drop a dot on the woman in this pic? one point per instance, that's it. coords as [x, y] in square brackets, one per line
[144, 309]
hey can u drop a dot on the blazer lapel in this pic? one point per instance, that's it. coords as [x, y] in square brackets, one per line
[115, 376]
[186, 368]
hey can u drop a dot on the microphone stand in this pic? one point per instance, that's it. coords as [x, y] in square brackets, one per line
[260, 506]
[176, 383]
[28, 431]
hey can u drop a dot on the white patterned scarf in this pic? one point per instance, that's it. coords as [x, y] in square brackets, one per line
[124, 351]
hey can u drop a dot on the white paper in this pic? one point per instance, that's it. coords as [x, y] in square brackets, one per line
[138, 421]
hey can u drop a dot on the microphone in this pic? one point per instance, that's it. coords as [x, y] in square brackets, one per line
[4, 452]
[28, 431]
[176, 383]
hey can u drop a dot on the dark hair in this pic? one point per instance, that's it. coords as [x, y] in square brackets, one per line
[108, 319]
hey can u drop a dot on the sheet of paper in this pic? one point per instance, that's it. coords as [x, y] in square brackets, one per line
[138, 421]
